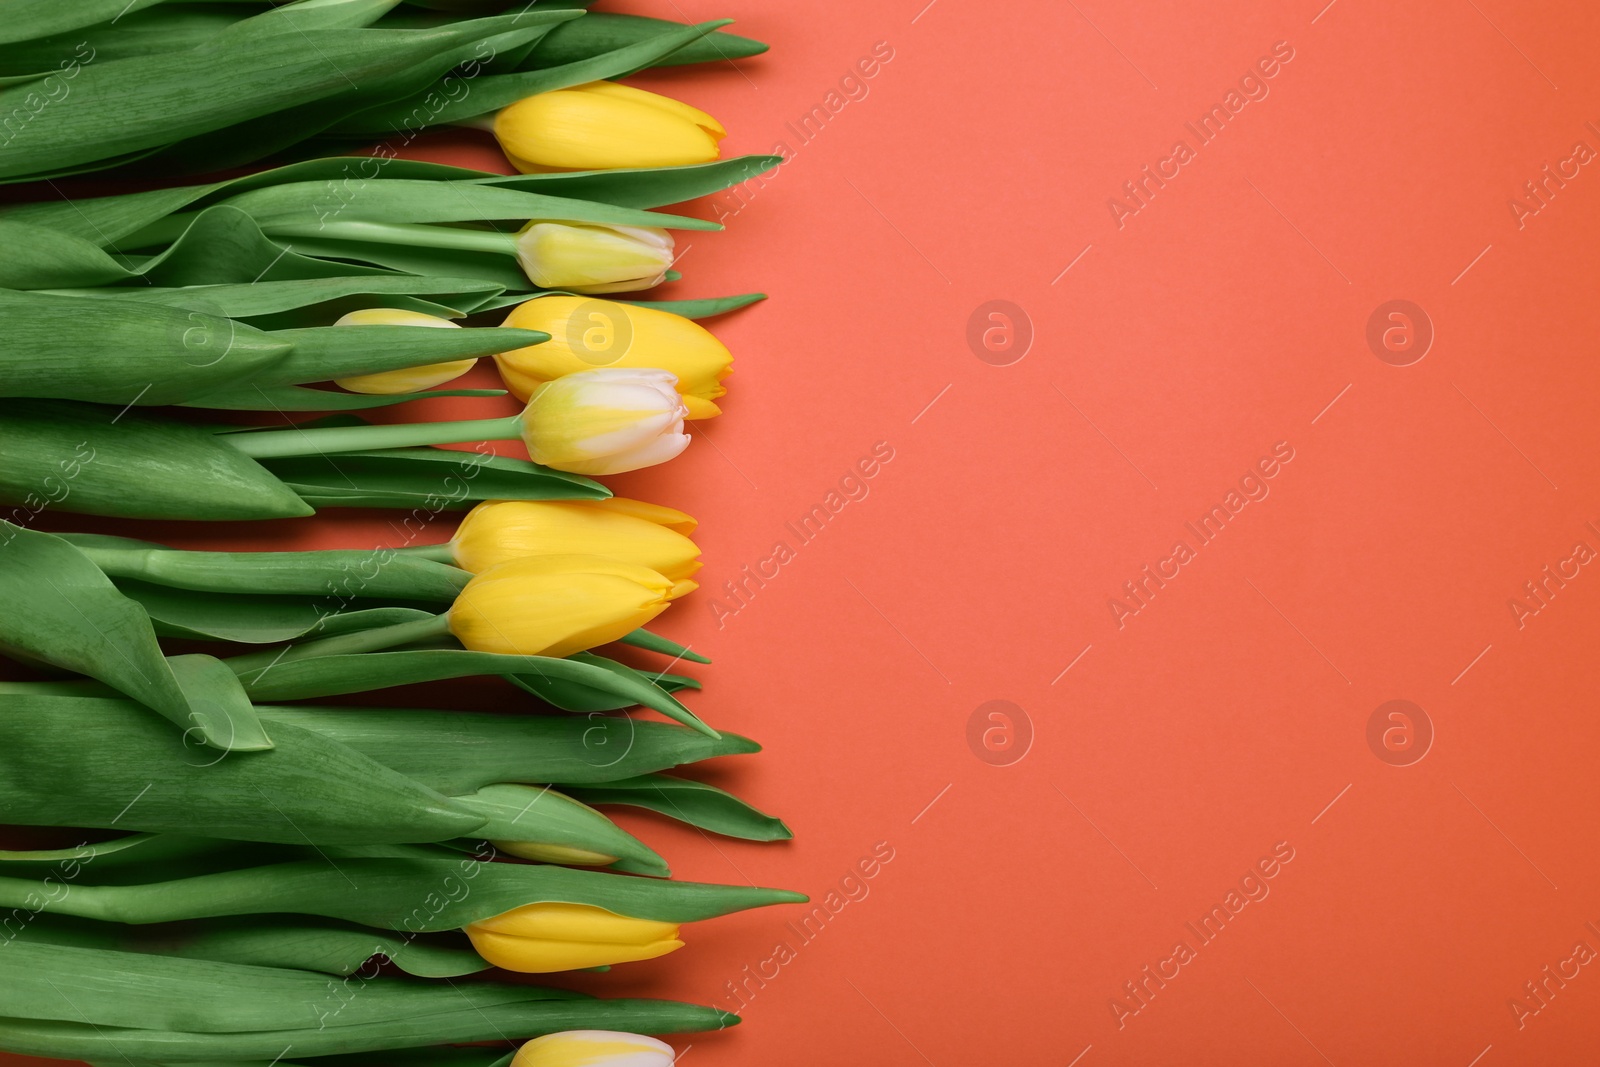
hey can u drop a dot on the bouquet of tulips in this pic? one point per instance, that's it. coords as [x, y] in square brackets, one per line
[250, 857]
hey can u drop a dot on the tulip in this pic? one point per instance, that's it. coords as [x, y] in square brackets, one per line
[605, 421]
[590, 258]
[557, 605]
[594, 1048]
[409, 379]
[589, 333]
[498, 531]
[598, 422]
[556, 936]
[605, 126]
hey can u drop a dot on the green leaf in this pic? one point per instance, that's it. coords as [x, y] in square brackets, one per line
[82, 761]
[255, 619]
[603, 31]
[397, 200]
[459, 752]
[306, 944]
[26, 19]
[300, 398]
[428, 479]
[43, 258]
[298, 679]
[390, 893]
[96, 461]
[76, 619]
[57, 347]
[492, 92]
[695, 803]
[327, 298]
[220, 713]
[538, 815]
[666, 646]
[644, 187]
[324, 353]
[84, 1041]
[128, 105]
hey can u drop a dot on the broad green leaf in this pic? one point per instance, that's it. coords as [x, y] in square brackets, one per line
[645, 187]
[305, 944]
[602, 31]
[220, 714]
[491, 92]
[389, 891]
[94, 460]
[300, 398]
[332, 675]
[127, 353]
[695, 803]
[334, 294]
[458, 752]
[104, 1044]
[76, 619]
[129, 105]
[26, 19]
[538, 815]
[81, 761]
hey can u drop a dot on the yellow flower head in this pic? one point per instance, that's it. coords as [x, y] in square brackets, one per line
[590, 258]
[605, 421]
[556, 605]
[586, 333]
[406, 379]
[604, 126]
[594, 1048]
[554, 936]
[498, 531]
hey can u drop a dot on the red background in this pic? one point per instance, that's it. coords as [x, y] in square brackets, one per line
[1230, 713]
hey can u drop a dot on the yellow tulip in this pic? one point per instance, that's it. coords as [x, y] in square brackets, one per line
[594, 1048]
[407, 379]
[498, 531]
[671, 518]
[555, 936]
[590, 258]
[605, 421]
[557, 605]
[604, 126]
[586, 333]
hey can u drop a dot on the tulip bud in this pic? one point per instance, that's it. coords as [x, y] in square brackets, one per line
[671, 518]
[589, 258]
[604, 126]
[594, 1048]
[586, 333]
[498, 531]
[407, 379]
[556, 605]
[557, 936]
[605, 421]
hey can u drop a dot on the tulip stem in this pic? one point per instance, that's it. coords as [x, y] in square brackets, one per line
[257, 664]
[322, 440]
[415, 235]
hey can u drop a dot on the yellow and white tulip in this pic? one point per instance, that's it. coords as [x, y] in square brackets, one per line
[594, 1048]
[586, 333]
[605, 421]
[590, 258]
[605, 126]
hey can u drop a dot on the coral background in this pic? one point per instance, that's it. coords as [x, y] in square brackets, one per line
[1147, 760]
